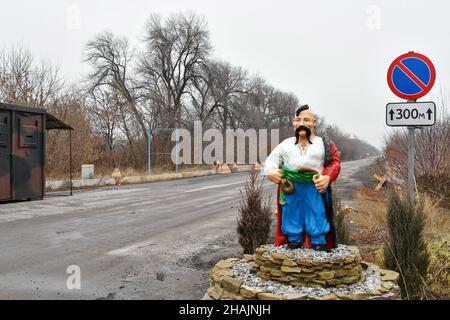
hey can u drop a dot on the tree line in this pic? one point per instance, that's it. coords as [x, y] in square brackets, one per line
[171, 80]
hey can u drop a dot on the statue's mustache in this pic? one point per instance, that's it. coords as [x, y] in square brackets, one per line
[307, 131]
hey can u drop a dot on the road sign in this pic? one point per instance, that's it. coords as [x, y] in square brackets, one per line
[411, 76]
[414, 114]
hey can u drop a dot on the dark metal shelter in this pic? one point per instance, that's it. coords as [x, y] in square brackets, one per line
[22, 151]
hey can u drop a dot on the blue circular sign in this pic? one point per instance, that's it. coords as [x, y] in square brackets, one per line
[411, 76]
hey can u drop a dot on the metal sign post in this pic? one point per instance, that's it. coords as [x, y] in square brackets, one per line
[411, 155]
[412, 115]
[411, 150]
[149, 134]
[177, 148]
[411, 76]
[177, 132]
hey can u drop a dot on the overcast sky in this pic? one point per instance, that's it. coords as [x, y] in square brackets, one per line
[333, 55]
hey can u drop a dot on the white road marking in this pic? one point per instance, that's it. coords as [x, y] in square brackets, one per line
[204, 204]
[213, 187]
[136, 246]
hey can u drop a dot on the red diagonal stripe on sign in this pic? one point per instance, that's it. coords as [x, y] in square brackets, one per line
[411, 75]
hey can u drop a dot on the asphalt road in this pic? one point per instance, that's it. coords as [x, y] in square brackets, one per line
[148, 241]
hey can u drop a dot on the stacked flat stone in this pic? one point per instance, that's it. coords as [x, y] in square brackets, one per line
[271, 274]
[303, 267]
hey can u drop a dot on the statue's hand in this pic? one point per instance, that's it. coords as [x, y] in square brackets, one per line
[322, 182]
[275, 175]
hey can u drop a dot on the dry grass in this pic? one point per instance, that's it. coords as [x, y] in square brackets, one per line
[371, 208]
[438, 283]
[437, 222]
[371, 213]
[369, 222]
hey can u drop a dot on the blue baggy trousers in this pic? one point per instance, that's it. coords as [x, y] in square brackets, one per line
[305, 211]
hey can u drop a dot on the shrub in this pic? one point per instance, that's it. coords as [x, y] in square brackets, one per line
[254, 218]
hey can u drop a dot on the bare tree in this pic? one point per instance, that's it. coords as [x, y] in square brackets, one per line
[176, 49]
[227, 85]
[110, 58]
[23, 81]
[199, 91]
[71, 108]
[105, 116]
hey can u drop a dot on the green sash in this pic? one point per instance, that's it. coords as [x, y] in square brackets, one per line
[295, 176]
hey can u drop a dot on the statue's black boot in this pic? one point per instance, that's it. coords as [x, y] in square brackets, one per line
[320, 247]
[294, 245]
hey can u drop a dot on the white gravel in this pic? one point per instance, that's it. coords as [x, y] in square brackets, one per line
[341, 252]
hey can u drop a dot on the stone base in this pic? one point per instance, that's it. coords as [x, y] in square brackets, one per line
[305, 267]
[279, 273]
